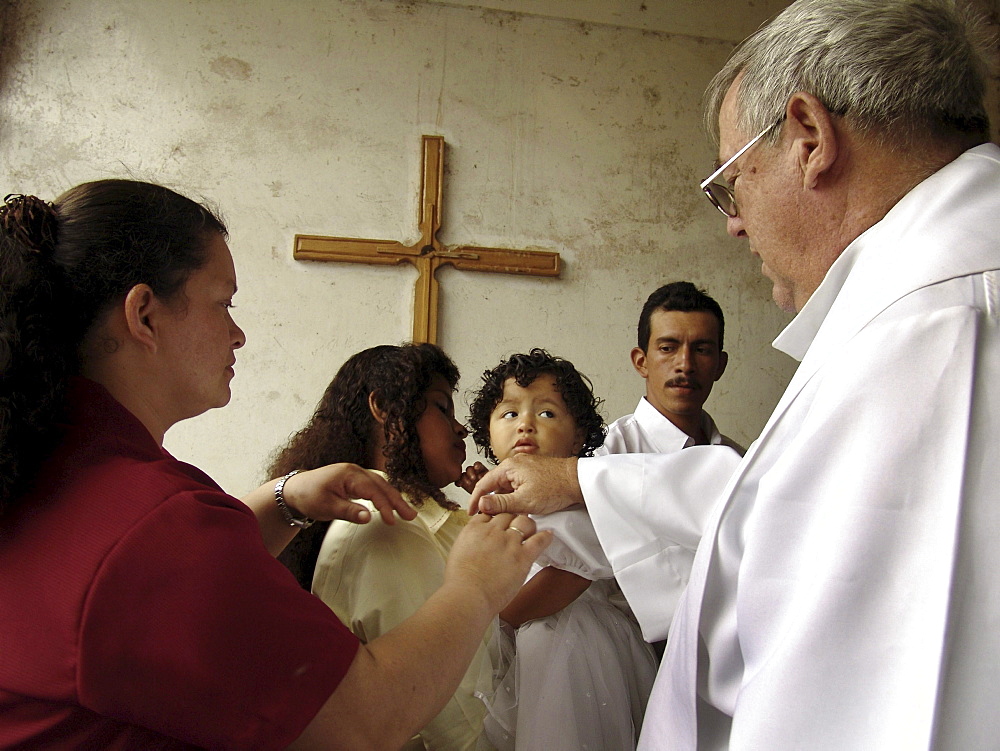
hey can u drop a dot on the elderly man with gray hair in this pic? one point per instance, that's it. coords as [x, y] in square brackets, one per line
[845, 593]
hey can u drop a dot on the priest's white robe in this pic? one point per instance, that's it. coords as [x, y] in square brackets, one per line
[846, 592]
[663, 553]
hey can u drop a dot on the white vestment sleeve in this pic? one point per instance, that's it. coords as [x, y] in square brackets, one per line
[649, 511]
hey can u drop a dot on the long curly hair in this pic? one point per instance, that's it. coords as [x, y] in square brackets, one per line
[343, 429]
[63, 265]
[574, 387]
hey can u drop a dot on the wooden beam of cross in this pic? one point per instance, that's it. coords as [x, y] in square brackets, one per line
[428, 254]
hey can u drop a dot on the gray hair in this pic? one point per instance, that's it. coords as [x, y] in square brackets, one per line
[898, 70]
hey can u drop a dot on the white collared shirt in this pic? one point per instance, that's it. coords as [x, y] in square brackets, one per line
[647, 431]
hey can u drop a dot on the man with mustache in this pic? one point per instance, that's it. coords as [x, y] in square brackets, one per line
[680, 356]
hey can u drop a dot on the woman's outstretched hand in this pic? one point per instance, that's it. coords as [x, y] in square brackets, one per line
[323, 494]
[329, 492]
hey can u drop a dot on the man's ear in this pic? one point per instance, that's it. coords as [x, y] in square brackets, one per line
[639, 361]
[377, 412]
[141, 307]
[723, 362]
[813, 136]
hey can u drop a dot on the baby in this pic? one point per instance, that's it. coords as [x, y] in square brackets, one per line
[573, 671]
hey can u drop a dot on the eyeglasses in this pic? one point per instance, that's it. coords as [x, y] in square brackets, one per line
[720, 195]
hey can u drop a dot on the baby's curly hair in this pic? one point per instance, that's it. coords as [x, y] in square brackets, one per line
[574, 387]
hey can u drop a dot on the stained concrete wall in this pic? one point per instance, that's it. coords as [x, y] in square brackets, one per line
[580, 136]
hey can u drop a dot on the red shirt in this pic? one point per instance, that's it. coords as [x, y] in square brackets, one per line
[139, 608]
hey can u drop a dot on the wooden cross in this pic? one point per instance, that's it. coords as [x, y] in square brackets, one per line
[428, 254]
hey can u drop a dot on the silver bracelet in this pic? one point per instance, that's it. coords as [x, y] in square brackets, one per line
[302, 522]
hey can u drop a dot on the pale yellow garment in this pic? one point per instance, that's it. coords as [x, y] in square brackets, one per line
[375, 575]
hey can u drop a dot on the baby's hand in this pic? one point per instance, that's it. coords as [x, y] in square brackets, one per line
[471, 476]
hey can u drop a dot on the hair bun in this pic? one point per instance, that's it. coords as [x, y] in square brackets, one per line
[31, 221]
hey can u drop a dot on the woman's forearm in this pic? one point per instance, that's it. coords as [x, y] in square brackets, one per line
[402, 679]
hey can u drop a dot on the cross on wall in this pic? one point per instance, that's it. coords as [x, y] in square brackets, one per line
[427, 254]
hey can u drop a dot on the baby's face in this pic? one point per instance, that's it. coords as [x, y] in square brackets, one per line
[533, 419]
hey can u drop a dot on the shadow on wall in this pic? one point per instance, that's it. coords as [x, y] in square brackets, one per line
[12, 26]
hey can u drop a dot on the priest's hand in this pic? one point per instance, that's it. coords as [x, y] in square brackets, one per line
[528, 484]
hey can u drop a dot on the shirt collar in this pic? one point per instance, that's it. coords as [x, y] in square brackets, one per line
[666, 436]
[93, 412]
[794, 341]
[92, 407]
[708, 425]
[432, 514]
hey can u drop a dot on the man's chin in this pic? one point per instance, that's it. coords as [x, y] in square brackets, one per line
[783, 298]
[685, 407]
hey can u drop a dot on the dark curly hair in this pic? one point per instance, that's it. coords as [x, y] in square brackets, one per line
[343, 429]
[574, 387]
[62, 266]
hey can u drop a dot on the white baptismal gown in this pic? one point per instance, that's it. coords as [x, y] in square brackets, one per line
[577, 680]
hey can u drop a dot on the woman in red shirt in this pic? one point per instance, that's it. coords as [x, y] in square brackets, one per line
[141, 606]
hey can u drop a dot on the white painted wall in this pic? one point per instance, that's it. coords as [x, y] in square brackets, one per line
[305, 116]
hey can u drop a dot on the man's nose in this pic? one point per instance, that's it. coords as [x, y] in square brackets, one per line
[734, 226]
[684, 362]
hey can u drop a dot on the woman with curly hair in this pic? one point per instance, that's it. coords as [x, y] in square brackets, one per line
[391, 409]
[141, 606]
[575, 672]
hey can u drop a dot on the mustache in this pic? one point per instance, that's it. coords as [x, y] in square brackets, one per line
[686, 382]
